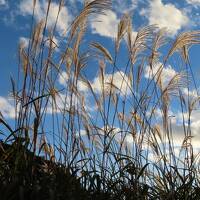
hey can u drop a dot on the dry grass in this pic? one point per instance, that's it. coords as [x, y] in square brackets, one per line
[102, 159]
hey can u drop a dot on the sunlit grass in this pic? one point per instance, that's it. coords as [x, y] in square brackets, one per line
[107, 138]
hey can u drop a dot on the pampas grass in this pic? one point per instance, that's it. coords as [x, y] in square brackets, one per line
[122, 149]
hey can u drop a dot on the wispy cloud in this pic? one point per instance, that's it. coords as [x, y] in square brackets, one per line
[4, 4]
[165, 15]
[7, 107]
[167, 73]
[194, 2]
[125, 6]
[24, 42]
[26, 8]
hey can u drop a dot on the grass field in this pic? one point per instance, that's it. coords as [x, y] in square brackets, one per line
[108, 138]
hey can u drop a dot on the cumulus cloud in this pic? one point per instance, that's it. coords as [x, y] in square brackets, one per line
[24, 42]
[82, 86]
[194, 120]
[119, 79]
[165, 15]
[116, 134]
[7, 108]
[63, 103]
[178, 130]
[166, 75]
[192, 93]
[105, 25]
[54, 42]
[63, 78]
[26, 8]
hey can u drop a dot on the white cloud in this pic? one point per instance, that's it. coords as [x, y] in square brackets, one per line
[194, 2]
[63, 78]
[125, 6]
[81, 133]
[119, 79]
[120, 82]
[53, 41]
[105, 25]
[156, 112]
[176, 123]
[63, 103]
[7, 108]
[24, 42]
[129, 139]
[26, 8]
[178, 132]
[82, 86]
[192, 93]
[2, 2]
[194, 118]
[134, 4]
[133, 37]
[165, 15]
[108, 130]
[166, 75]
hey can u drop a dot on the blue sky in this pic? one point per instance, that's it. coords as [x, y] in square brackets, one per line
[15, 18]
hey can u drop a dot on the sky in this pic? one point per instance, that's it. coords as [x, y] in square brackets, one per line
[175, 15]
